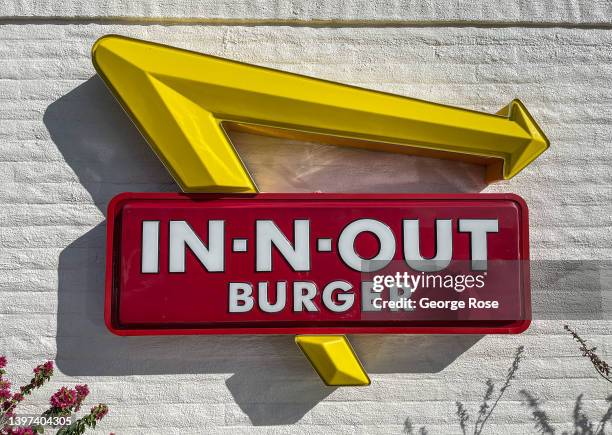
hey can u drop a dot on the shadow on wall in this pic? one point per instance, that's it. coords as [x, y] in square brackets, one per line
[271, 381]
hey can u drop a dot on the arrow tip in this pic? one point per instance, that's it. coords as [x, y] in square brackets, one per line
[523, 155]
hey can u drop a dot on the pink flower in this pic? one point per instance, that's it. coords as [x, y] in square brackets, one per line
[5, 393]
[82, 391]
[17, 397]
[5, 384]
[64, 398]
[2, 362]
[46, 369]
[99, 411]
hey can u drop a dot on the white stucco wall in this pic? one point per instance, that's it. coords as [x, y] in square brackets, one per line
[66, 148]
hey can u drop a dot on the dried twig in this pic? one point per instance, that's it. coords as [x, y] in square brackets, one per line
[602, 367]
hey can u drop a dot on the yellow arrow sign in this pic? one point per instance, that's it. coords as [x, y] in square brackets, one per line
[181, 101]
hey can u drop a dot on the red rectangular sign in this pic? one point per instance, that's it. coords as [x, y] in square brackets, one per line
[317, 263]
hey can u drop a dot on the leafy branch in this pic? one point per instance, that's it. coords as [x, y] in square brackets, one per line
[64, 403]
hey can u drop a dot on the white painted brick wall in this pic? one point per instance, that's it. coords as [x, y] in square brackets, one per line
[66, 148]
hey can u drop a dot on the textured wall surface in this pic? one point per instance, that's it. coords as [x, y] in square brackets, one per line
[66, 148]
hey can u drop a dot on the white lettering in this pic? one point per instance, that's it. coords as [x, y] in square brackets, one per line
[346, 299]
[150, 247]
[240, 297]
[182, 235]
[478, 229]
[444, 246]
[268, 234]
[346, 245]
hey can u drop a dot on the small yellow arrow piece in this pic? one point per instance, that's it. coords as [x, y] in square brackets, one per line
[181, 101]
[333, 359]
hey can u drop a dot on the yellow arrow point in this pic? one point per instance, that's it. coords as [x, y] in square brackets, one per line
[538, 143]
[180, 99]
[333, 359]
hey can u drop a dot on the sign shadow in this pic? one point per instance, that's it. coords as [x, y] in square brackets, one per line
[267, 376]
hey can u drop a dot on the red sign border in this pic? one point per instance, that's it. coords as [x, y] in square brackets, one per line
[114, 210]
